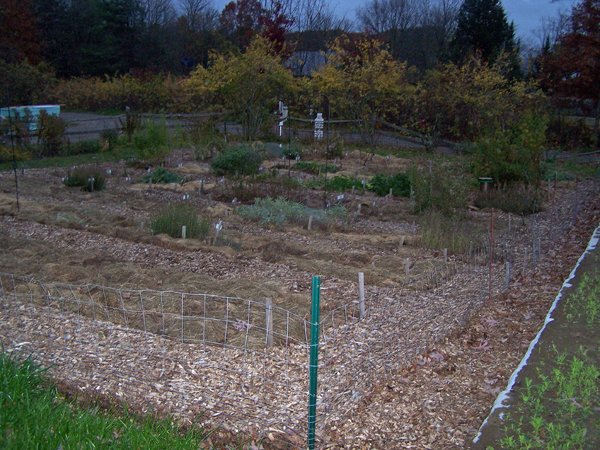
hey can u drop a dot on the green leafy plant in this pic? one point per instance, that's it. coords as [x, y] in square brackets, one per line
[239, 160]
[151, 142]
[341, 183]
[514, 155]
[89, 179]
[292, 151]
[173, 217]
[399, 184]
[437, 188]
[82, 147]
[161, 176]
[315, 168]
[130, 123]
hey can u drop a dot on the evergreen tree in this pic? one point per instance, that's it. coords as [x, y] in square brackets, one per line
[483, 31]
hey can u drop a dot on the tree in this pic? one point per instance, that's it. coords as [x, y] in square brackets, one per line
[483, 30]
[417, 31]
[468, 101]
[19, 39]
[572, 68]
[391, 17]
[199, 15]
[362, 80]
[248, 85]
[241, 20]
[52, 18]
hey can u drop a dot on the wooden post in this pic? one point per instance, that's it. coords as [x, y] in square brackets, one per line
[507, 275]
[407, 266]
[310, 219]
[183, 232]
[269, 322]
[491, 255]
[471, 254]
[361, 295]
[445, 255]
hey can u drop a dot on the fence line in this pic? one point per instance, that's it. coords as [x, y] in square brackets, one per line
[242, 386]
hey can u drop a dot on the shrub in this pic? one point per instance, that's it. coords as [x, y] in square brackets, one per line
[205, 139]
[130, 123]
[569, 135]
[399, 184]
[6, 154]
[24, 84]
[51, 134]
[173, 217]
[239, 160]
[160, 176]
[315, 168]
[293, 151]
[519, 200]
[279, 211]
[437, 189]
[109, 139]
[82, 147]
[151, 142]
[89, 179]
[149, 94]
[513, 156]
[342, 183]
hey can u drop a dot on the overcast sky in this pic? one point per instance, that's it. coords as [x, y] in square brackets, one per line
[526, 14]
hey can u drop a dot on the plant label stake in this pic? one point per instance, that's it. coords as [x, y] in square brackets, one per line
[314, 361]
[361, 295]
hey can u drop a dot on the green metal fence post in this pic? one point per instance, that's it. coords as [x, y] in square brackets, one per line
[314, 360]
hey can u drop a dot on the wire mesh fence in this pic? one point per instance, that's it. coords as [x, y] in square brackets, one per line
[187, 317]
[242, 365]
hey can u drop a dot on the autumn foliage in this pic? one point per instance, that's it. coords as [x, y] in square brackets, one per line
[572, 69]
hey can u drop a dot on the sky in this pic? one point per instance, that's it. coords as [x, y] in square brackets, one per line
[526, 14]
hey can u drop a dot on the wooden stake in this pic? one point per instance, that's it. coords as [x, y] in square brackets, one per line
[183, 232]
[407, 266]
[310, 219]
[445, 255]
[361, 295]
[269, 322]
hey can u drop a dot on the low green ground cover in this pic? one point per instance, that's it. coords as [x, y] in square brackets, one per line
[34, 415]
[558, 405]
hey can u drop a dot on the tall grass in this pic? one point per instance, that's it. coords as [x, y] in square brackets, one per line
[439, 231]
[33, 415]
[173, 217]
[89, 179]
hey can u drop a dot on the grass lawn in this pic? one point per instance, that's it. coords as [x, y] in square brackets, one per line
[34, 415]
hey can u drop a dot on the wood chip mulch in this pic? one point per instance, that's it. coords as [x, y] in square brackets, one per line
[420, 372]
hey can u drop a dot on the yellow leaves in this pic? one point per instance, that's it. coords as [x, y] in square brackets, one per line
[473, 99]
[361, 78]
[237, 80]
